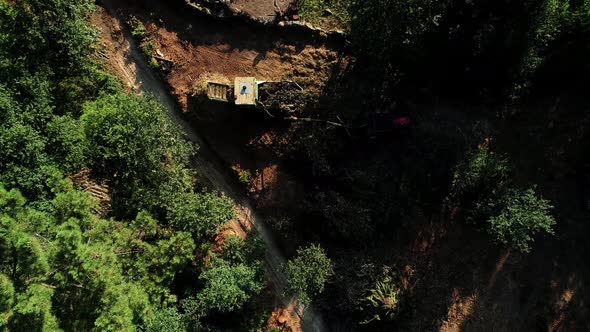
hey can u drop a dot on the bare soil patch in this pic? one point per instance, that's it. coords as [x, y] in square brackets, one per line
[198, 44]
[263, 9]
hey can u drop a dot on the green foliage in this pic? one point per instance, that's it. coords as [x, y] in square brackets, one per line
[316, 12]
[554, 21]
[152, 255]
[61, 266]
[32, 311]
[228, 286]
[86, 279]
[193, 312]
[244, 176]
[23, 155]
[383, 300]
[149, 49]
[236, 250]
[45, 51]
[137, 27]
[139, 149]
[154, 63]
[393, 28]
[233, 277]
[166, 320]
[6, 299]
[200, 213]
[483, 170]
[53, 30]
[46, 74]
[523, 215]
[479, 181]
[488, 49]
[255, 321]
[67, 141]
[308, 272]
[89, 277]
[482, 187]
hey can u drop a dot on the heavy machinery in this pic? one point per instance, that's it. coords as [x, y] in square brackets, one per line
[284, 99]
[247, 91]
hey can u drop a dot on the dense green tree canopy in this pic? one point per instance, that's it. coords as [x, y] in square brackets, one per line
[228, 286]
[63, 264]
[489, 49]
[139, 149]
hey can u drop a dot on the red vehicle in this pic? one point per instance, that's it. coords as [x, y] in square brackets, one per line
[380, 123]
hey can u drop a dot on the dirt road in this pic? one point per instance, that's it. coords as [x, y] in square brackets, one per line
[130, 64]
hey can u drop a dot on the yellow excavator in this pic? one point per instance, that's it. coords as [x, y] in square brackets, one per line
[248, 91]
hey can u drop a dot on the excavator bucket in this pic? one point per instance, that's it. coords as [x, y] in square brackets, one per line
[218, 91]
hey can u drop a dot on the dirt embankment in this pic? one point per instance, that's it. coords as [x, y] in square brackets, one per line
[127, 61]
[263, 10]
[281, 14]
[199, 44]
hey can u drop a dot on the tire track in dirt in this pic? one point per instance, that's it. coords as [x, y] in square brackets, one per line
[129, 63]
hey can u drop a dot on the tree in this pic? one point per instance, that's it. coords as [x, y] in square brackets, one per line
[482, 48]
[249, 251]
[482, 186]
[67, 141]
[62, 266]
[200, 213]
[166, 320]
[23, 156]
[139, 149]
[6, 299]
[523, 215]
[25, 300]
[308, 272]
[228, 286]
[151, 254]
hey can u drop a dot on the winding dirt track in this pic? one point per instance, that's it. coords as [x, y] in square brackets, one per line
[129, 63]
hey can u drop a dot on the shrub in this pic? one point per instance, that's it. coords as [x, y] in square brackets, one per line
[244, 175]
[200, 213]
[523, 215]
[483, 171]
[137, 28]
[308, 273]
[249, 251]
[228, 287]
[326, 13]
[482, 187]
[383, 300]
[67, 141]
[166, 320]
[479, 182]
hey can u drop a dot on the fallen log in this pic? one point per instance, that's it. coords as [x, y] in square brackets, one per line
[293, 118]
